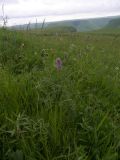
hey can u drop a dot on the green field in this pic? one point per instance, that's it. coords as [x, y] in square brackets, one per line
[67, 114]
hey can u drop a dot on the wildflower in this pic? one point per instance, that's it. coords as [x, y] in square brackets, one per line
[58, 63]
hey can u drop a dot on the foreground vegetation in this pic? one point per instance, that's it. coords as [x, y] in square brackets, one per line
[67, 114]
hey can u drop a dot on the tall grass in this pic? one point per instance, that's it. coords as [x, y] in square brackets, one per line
[70, 114]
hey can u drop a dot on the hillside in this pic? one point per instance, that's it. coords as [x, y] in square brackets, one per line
[82, 25]
[79, 25]
[114, 24]
[113, 27]
[60, 29]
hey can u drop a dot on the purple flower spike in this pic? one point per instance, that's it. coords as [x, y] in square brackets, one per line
[58, 64]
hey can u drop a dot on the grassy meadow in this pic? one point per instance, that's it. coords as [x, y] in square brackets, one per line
[67, 114]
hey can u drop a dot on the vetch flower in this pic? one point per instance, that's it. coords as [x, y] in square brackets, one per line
[58, 63]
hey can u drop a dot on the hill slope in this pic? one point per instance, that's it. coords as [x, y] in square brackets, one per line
[82, 25]
[113, 27]
[115, 23]
[79, 25]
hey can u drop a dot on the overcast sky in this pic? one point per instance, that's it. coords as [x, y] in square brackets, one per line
[23, 11]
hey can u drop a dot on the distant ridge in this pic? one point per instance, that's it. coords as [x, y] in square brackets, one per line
[114, 23]
[83, 25]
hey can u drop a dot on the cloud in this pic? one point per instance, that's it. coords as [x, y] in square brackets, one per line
[63, 8]
[6, 2]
